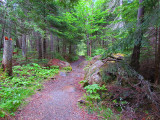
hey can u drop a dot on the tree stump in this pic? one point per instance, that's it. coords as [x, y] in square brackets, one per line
[7, 56]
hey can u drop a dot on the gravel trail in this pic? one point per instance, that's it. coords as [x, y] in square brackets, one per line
[58, 99]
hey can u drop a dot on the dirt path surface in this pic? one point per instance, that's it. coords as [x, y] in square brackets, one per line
[58, 99]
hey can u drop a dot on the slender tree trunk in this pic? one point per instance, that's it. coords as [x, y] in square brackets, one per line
[39, 46]
[20, 42]
[70, 49]
[44, 47]
[3, 30]
[58, 48]
[64, 49]
[103, 43]
[31, 42]
[4, 27]
[17, 43]
[24, 50]
[157, 58]
[44, 39]
[88, 49]
[74, 50]
[121, 23]
[51, 43]
[7, 57]
[136, 51]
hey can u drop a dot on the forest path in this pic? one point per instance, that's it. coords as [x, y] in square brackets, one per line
[58, 99]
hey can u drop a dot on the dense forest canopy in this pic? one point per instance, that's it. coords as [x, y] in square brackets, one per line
[65, 29]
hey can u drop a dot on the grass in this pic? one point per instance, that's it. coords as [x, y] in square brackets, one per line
[25, 80]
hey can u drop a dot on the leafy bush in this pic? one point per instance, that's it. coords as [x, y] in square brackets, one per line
[95, 103]
[88, 58]
[68, 68]
[26, 79]
[92, 91]
[98, 51]
[74, 58]
[58, 56]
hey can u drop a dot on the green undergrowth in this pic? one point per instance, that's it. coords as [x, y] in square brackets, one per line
[25, 80]
[95, 102]
[74, 58]
[67, 69]
[88, 58]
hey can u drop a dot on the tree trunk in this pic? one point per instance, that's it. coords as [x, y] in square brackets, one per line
[20, 41]
[70, 49]
[17, 43]
[88, 49]
[64, 49]
[1, 43]
[103, 43]
[121, 23]
[51, 43]
[24, 45]
[31, 44]
[7, 57]
[58, 48]
[39, 46]
[157, 59]
[136, 51]
[44, 47]
[74, 50]
[44, 39]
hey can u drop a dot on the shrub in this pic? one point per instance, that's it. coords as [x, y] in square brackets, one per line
[68, 68]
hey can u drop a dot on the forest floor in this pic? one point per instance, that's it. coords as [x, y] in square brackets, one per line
[58, 100]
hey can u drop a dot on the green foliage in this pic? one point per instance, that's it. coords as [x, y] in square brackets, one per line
[25, 80]
[68, 68]
[92, 91]
[99, 51]
[58, 56]
[83, 81]
[107, 113]
[74, 58]
[93, 95]
[88, 58]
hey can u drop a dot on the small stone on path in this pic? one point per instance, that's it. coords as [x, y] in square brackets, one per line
[63, 74]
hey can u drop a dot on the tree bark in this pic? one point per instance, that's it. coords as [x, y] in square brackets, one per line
[17, 43]
[39, 46]
[44, 47]
[24, 50]
[64, 49]
[136, 51]
[70, 49]
[88, 49]
[51, 43]
[20, 42]
[157, 59]
[44, 39]
[121, 23]
[3, 30]
[4, 27]
[58, 48]
[7, 57]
